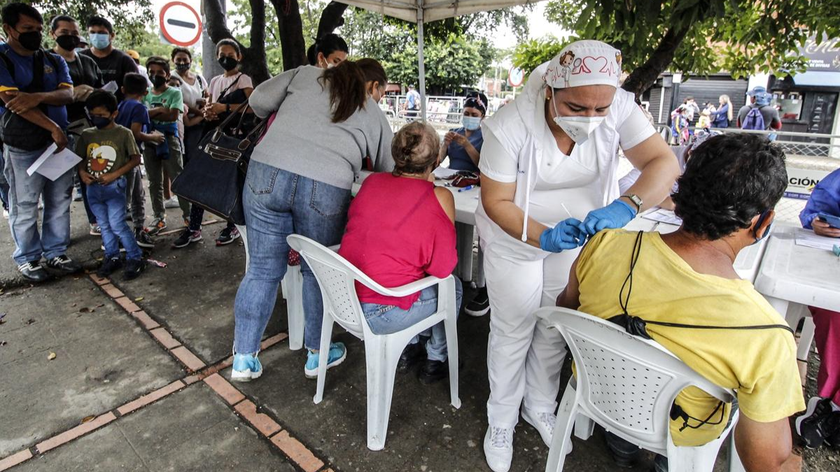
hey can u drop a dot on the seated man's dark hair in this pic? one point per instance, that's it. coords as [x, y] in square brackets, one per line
[728, 181]
[135, 83]
[101, 98]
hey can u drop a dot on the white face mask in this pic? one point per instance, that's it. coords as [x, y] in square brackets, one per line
[577, 127]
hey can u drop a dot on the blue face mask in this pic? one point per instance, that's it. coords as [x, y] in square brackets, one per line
[471, 123]
[100, 40]
[760, 222]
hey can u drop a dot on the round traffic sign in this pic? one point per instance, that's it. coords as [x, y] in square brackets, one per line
[180, 24]
[516, 76]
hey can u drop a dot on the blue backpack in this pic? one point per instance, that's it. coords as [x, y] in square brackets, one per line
[754, 120]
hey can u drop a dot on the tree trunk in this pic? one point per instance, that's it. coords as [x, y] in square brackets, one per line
[646, 74]
[253, 58]
[291, 33]
[331, 18]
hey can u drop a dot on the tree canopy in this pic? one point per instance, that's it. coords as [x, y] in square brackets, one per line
[129, 17]
[694, 36]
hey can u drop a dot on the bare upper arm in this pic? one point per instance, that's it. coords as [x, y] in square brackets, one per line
[654, 147]
[493, 192]
[447, 202]
[762, 446]
[570, 296]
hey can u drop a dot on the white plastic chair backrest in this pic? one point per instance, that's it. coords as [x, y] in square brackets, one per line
[337, 278]
[625, 383]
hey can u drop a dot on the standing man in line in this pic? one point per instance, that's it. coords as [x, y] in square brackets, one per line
[39, 119]
[113, 63]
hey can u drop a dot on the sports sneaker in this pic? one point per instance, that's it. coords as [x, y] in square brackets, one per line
[337, 355]
[133, 268]
[412, 355]
[143, 239]
[109, 266]
[158, 225]
[64, 264]
[498, 448]
[543, 422]
[187, 236]
[33, 272]
[246, 367]
[77, 197]
[5, 213]
[95, 230]
[480, 304]
[227, 236]
[819, 422]
[171, 203]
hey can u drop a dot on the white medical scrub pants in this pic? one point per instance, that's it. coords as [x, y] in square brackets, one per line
[524, 356]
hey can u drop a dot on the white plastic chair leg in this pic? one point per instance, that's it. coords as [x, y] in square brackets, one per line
[806, 338]
[293, 293]
[324, 356]
[584, 427]
[566, 414]
[446, 293]
[381, 366]
[697, 459]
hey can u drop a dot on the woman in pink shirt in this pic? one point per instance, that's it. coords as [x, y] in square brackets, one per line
[401, 229]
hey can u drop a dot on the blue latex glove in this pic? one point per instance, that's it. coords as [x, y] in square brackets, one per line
[615, 215]
[566, 235]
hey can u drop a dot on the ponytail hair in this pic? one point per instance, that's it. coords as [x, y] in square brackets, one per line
[347, 89]
[415, 148]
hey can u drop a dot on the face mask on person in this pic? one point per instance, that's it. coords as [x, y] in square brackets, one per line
[471, 123]
[158, 81]
[577, 127]
[30, 40]
[228, 63]
[100, 40]
[68, 42]
[182, 67]
[100, 122]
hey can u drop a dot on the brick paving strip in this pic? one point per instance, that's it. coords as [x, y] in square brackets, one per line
[265, 426]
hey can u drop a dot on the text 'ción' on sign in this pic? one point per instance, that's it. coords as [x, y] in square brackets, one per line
[180, 24]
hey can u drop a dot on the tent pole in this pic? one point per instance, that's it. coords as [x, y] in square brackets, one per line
[421, 67]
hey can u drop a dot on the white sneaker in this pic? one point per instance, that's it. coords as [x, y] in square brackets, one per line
[171, 203]
[6, 214]
[542, 422]
[498, 448]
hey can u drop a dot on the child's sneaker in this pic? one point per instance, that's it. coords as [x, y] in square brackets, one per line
[227, 236]
[246, 367]
[109, 266]
[187, 236]
[337, 355]
[158, 225]
[95, 230]
[133, 268]
[143, 239]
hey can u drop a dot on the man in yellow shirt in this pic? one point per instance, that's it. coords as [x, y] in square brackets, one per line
[728, 333]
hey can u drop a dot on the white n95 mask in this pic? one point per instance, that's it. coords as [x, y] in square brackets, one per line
[578, 127]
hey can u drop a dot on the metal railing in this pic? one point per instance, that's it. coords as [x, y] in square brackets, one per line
[793, 143]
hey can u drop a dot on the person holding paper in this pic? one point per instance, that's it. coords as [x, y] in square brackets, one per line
[33, 118]
[110, 152]
[821, 423]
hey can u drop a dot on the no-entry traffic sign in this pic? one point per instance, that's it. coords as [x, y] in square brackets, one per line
[180, 24]
[516, 76]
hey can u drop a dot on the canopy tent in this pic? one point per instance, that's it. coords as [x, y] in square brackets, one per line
[420, 11]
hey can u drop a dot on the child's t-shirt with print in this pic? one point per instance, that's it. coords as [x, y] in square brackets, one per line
[106, 150]
[170, 98]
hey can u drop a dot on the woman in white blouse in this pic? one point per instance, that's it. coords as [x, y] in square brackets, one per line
[549, 181]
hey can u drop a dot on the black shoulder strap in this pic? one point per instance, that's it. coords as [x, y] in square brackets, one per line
[225, 91]
[10, 66]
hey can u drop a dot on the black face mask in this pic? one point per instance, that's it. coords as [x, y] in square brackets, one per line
[68, 42]
[30, 40]
[158, 81]
[228, 63]
[182, 66]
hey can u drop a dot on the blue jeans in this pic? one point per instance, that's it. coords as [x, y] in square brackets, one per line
[277, 204]
[389, 319]
[24, 192]
[4, 186]
[108, 204]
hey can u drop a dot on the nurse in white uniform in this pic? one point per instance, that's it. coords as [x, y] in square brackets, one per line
[549, 181]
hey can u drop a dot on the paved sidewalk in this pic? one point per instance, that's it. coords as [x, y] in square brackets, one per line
[138, 382]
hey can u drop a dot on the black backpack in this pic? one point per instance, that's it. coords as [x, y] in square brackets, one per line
[16, 131]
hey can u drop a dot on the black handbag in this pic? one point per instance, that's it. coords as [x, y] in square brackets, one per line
[215, 176]
[16, 131]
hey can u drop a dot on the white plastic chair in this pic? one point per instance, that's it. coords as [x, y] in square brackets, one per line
[627, 385]
[337, 279]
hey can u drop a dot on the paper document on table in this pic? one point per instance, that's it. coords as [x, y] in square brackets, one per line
[807, 238]
[664, 216]
[53, 165]
[444, 173]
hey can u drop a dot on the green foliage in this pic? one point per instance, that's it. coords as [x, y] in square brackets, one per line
[450, 63]
[529, 54]
[146, 44]
[739, 36]
[129, 17]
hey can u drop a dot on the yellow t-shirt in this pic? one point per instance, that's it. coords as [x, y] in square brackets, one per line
[760, 364]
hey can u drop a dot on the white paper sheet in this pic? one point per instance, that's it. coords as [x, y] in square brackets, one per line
[809, 239]
[111, 87]
[53, 165]
[663, 216]
[444, 173]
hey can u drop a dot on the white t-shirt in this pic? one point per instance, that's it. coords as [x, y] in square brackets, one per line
[220, 83]
[192, 93]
